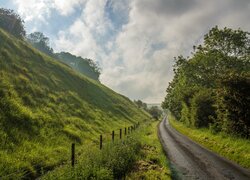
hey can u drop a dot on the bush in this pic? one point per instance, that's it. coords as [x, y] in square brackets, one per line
[233, 105]
[185, 114]
[202, 110]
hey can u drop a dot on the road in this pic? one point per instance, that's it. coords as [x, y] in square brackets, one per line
[191, 161]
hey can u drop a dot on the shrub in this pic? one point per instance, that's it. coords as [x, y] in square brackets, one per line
[185, 114]
[233, 102]
[202, 110]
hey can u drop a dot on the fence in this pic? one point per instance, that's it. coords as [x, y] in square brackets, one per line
[112, 137]
[122, 133]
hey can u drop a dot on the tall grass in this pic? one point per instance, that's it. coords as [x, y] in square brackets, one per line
[137, 156]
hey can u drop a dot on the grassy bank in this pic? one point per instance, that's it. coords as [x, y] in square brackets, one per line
[46, 105]
[233, 148]
[138, 156]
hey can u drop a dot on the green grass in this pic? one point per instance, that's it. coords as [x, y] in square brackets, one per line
[137, 156]
[45, 106]
[152, 162]
[232, 148]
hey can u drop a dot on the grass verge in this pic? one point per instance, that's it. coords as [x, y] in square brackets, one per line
[152, 162]
[233, 148]
[138, 156]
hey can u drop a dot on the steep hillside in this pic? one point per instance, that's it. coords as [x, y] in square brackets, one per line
[45, 105]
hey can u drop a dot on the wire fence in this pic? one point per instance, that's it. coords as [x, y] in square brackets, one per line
[104, 138]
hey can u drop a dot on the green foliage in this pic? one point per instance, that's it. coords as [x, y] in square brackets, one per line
[123, 158]
[112, 162]
[202, 111]
[45, 106]
[141, 104]
[211, 87]
[12, 23]
[155, 112]
[233, 99]
[40, 42]
[85, 66]
[185, 115]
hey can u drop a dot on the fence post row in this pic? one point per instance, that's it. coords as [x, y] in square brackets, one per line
[73, 154]
[127, 130]
[113, 138]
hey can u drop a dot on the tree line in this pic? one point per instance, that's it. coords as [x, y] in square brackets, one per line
[12, 23]
[154, 111]
[211, 88]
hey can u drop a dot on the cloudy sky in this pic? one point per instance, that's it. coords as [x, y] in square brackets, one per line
[134, 41]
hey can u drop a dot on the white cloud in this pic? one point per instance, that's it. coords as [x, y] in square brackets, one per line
[66, 7]
[41, 10]
[137, 54]
[179, 25]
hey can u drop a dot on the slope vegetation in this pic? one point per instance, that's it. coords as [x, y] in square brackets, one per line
[45, 106]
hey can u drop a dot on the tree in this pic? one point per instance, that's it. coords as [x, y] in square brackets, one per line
[155, 112]
[227, 41]
[12, 23]
[211, 88]
[40, 42]
[83, 65]
[141, 104]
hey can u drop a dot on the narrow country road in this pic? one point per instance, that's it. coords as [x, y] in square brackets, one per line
[192, 161]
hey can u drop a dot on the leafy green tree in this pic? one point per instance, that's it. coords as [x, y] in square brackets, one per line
[230, 42]
[40, 42]
[12, 23]
[192, 96]
[141, 104]
[155, 112]
[83, 65]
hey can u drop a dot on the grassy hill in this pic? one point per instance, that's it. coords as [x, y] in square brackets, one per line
[45, 106]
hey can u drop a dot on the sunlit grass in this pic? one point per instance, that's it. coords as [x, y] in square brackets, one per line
[233, 148]
[45, 106]
[139, 155]
[152, 162]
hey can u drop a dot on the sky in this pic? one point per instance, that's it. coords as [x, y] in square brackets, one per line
[134, 41]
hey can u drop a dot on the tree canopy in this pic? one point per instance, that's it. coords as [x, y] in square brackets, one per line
[40, 42]
[83, 65]
[12, 23]
[206, 86]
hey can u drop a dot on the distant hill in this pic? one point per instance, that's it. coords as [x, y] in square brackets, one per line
[83, 65]
[45, 106]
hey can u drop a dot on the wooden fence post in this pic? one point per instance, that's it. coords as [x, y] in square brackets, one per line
[73, 154]
[100, 141]
[113, 136]
[120, 133]
[125, 131]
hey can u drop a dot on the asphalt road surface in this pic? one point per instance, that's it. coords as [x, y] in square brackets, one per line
[191, 161]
